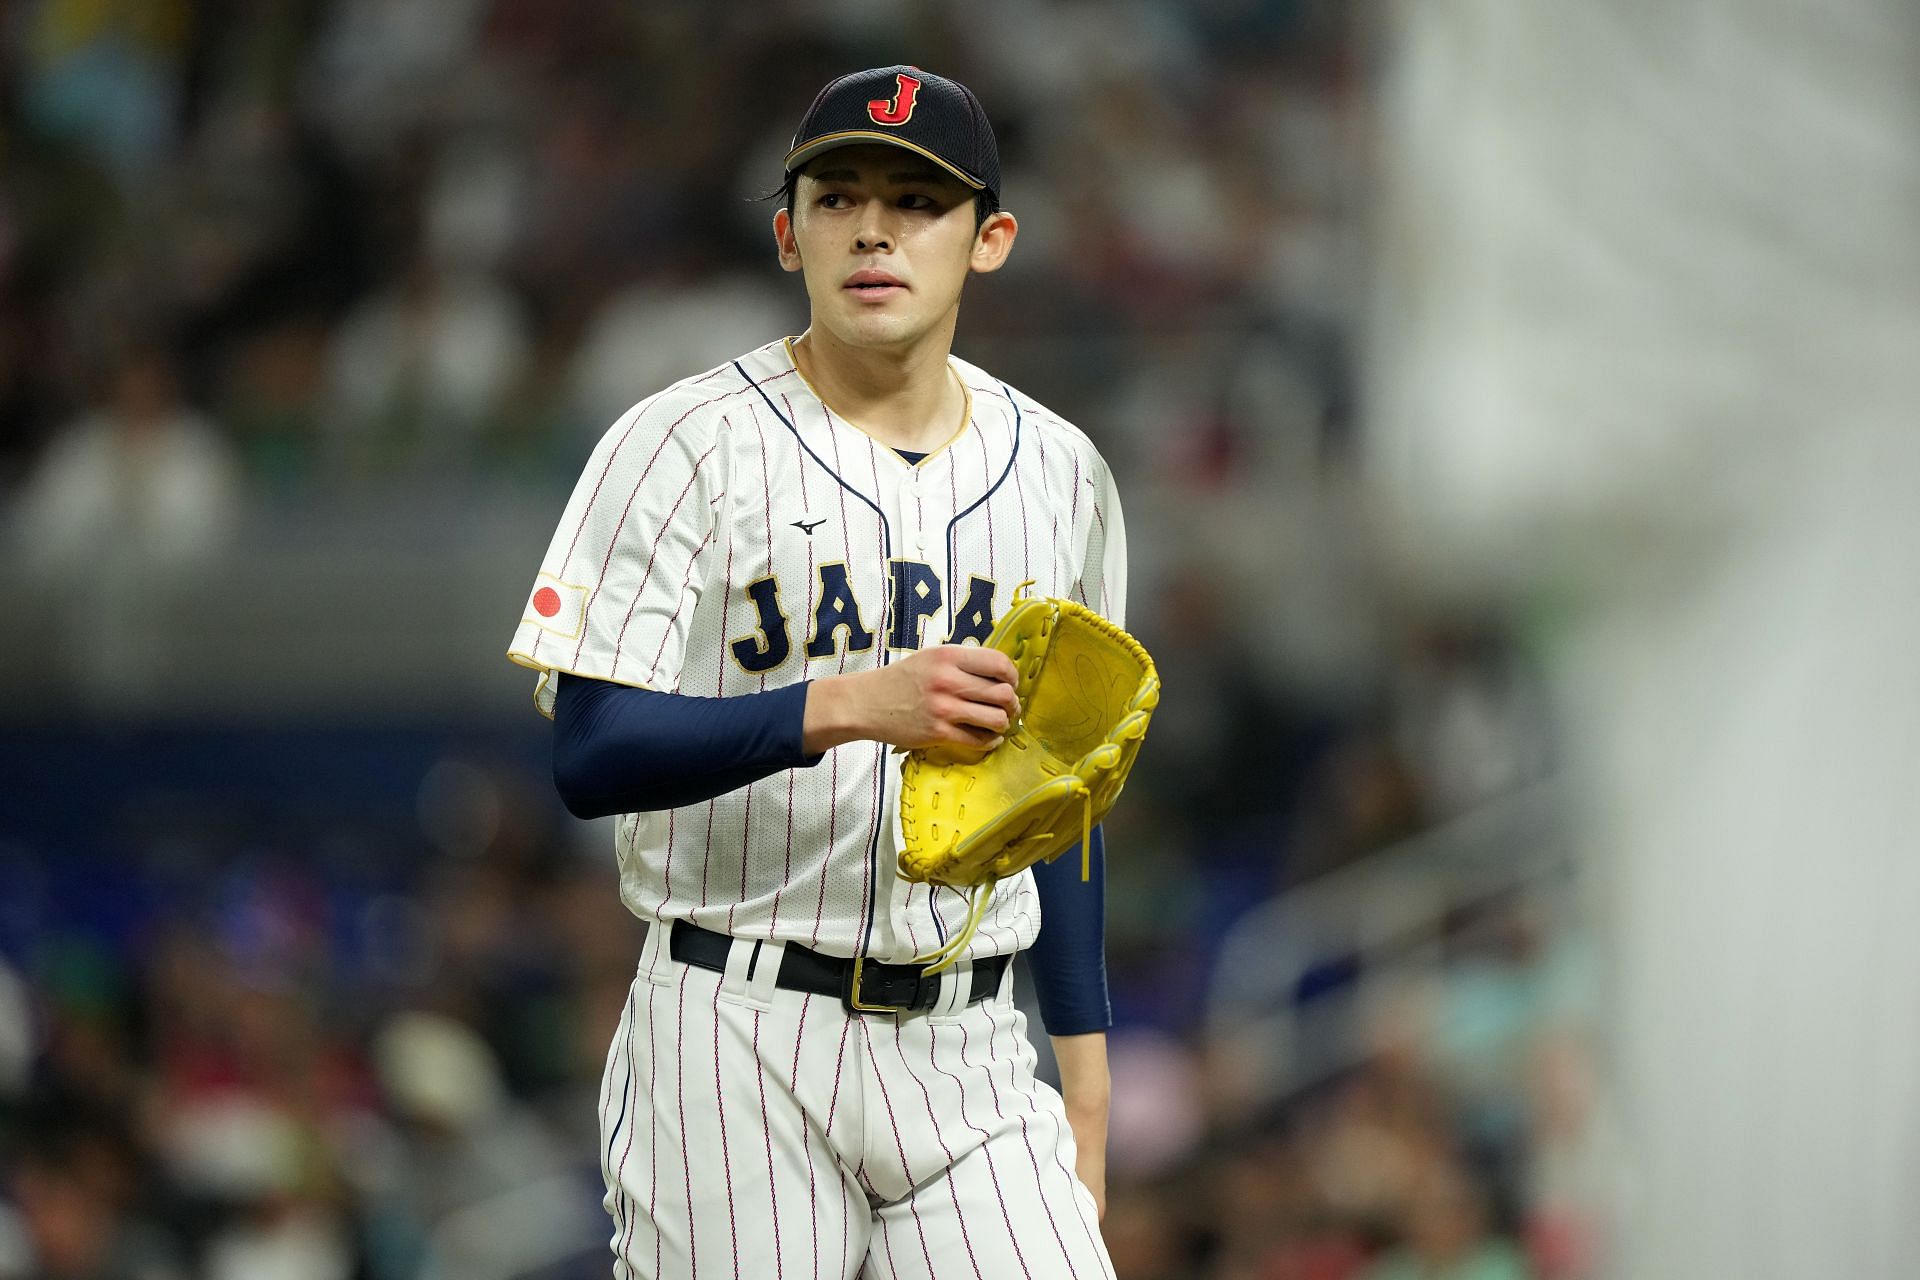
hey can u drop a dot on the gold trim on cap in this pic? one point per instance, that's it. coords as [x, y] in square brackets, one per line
[828, 141]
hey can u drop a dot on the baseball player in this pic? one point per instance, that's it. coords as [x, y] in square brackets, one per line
[771, 580]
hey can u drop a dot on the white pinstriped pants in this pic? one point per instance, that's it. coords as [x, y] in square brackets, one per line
[748, 1131]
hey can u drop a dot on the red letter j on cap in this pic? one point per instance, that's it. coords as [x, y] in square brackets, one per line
[897, 109]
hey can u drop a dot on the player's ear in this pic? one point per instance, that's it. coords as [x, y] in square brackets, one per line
[993, 241]
[783, 240]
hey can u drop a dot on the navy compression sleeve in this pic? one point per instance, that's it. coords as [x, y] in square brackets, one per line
[1068, 960]
[618, 749]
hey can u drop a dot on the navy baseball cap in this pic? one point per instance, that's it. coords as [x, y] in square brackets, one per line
[904, 107]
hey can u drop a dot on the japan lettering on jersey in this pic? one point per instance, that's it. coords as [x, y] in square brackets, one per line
[732, 535]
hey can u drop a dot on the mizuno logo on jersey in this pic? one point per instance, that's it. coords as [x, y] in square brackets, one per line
[839, 620]
[808, 526]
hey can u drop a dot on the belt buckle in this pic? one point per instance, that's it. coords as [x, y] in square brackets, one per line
[852, 998]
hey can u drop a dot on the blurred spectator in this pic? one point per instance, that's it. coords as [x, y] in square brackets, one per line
[129, 499]
[683, 322]
[1447, 1237]
[417, 368]
[469, 1183]
[274, 381]
[106, 76]
[1471, 718]
[79, 1216]
[142, 482]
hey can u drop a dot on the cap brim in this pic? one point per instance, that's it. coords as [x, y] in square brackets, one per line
[833, 141]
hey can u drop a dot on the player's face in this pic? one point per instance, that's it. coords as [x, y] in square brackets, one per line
[885, 240]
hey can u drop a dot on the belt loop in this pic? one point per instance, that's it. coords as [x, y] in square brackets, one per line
[739, 957]
[765, 971]
[956, 984]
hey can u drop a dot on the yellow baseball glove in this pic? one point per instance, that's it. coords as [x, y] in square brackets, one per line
[1087, 690]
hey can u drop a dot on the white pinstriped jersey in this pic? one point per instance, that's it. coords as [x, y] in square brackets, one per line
[731, 535]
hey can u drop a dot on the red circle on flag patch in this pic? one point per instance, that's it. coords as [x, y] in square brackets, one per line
[546, 602]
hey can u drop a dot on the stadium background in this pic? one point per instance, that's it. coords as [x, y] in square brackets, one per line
[309, 312]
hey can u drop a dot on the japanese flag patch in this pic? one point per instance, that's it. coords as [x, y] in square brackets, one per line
[556, 606]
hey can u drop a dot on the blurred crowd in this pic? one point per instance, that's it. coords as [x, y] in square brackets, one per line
[355, 1030]
[266, 255]
[268, 247]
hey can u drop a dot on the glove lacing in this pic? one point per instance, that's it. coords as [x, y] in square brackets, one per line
[944, 957]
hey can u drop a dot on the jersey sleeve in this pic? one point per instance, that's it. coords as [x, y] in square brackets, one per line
[1102, 586]
[615, 594]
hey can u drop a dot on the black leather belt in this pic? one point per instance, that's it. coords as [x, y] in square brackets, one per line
[863, 985]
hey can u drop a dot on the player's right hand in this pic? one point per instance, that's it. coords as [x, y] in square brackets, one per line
[954, 698]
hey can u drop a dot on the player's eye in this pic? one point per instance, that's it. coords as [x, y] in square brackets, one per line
[916, 200]
[833, 200]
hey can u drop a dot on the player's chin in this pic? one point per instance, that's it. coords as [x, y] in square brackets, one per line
[875, 327]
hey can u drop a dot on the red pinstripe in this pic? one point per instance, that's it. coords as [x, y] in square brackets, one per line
[1101, 520]
[839, 1062]
[1090, 1229]
[653, 669]
[653, 1074]
[766, 1127]
[833, 821]
[900, 1147]
[621, 1217]
[680, 1087]
[622, 443]
[886, 1242]
[612, 542]
[886, 596]
[606, 1086]
[746, 847]
[1026, 1141]
[952, 1191]
[986, 1146]
[1074, 515]
[1026, 541]
[620, 1170]
[833, 809]
[1040, 439]
[666, 875]
[720, 687]
[726, 1159]
[746, 822]
[706, 856]
[953, 595]
[806, 1129]
[953, 602]
[868, 892]
[638, 415]
[646, 576]
[986, 476]
[846, 1213]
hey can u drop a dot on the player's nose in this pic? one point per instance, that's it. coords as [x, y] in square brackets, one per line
[871, 232]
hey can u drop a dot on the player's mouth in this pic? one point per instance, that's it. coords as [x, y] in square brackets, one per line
[873, 285]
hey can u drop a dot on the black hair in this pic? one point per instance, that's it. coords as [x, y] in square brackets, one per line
[985, 203]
